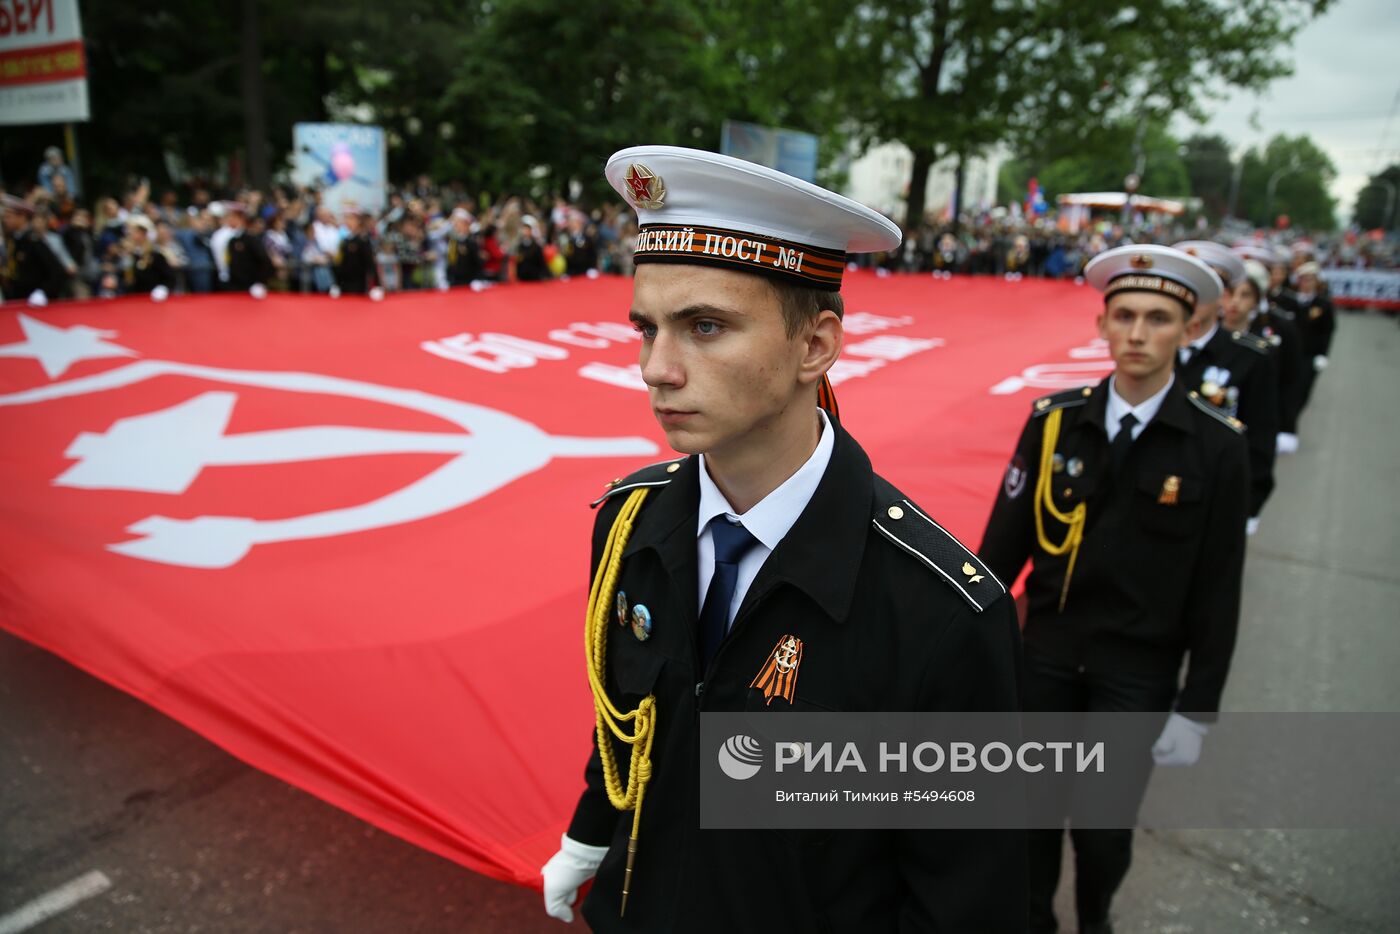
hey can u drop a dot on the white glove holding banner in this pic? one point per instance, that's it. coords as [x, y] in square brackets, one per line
[1251, 525]
[1180, 742]
[571, 867]
[1286, 443]
[1319, 363]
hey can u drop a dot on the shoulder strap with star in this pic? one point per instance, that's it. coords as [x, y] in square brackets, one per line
[1060, 400]
[1234, 424]
[658, 474]
[1253, 341]
[911, 530]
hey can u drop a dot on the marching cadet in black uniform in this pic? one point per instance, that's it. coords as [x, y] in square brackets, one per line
[580, 247]
[463, 253]
[1129, 498]
[31, 269]
[1253, 312]
[1235, 371]
[354, 263]
[772, 546]
[144, 268]
[248, 262]
[1281, 295]
[1317, 320]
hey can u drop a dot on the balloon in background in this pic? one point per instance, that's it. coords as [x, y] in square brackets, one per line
[342, 163]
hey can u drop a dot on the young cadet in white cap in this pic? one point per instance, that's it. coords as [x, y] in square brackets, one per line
[1255, 313]
[768, 569]
[1129, 499]
[1234, 370]
[1317, 320]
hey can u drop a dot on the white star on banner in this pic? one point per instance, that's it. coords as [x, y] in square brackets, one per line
[57, 349]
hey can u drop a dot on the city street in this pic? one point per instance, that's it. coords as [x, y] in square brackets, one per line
[188, 839]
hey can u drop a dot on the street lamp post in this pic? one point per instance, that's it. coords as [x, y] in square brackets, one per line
[1130, 187]
[1235, 187]
[1273, 182]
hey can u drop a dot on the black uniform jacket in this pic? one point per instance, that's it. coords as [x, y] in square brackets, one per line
[1235, 371]
[148, 271]
[1158, 573]
[889, 620]
[30, 265]
[1278, 328]
[248, 262]
[354, 265]
[463, 259]
[1318, 321]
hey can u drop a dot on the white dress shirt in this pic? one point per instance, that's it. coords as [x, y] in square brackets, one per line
[768, 521]
[1144, 411]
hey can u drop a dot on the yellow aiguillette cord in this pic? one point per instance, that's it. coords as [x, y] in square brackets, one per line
[609, 718]
[1045, 498]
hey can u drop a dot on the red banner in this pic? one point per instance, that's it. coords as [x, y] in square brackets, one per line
[42, 64]
[348, 541]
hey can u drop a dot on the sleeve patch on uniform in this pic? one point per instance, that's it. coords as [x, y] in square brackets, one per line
[1016, 477]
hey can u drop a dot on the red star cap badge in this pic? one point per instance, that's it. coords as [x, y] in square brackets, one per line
[648, 191]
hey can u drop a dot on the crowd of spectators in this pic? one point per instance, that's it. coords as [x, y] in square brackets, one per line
[431, 236]
[291, 240]
[985, 244]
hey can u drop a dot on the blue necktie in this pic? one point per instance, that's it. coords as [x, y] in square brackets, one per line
[732, 542]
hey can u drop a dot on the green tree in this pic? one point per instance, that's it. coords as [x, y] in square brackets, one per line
[953, 77]
[1379, 202]
[1289, 177]
[1148, 149]
[1211, 171]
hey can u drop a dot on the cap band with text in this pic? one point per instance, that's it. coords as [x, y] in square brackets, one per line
[1136, 282]
[800, 263]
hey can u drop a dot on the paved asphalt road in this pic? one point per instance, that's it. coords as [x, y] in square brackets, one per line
[191, 840]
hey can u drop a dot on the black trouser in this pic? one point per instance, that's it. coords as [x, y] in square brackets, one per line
[1101, 857]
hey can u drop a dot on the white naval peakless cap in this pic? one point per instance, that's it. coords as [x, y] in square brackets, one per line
[1148, 267]
[701, 207]
[1259, 252]
[1216, 255]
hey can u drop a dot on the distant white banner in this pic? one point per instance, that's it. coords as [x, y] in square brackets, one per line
[1364, 288]
[43, 70]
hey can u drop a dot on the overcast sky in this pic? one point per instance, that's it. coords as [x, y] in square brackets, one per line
[1343, 93]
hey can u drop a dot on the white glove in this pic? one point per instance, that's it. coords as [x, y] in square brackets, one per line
[258, 291]
[37, 299]
[1180, 742]
[1286, 443]
[1319, 363]
[1251, 525]
[160, 293]
[571, 867]
[376, 294]
[334, 292]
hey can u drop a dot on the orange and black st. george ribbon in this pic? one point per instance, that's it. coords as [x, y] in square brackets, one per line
[778, 676]
[826, 398]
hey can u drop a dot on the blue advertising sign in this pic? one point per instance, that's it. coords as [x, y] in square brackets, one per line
[789, 151]
[346, 161]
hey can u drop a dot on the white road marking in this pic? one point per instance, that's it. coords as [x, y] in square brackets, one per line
[55, 903]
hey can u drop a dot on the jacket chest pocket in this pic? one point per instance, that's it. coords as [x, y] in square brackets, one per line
[636, 669]
[756, 702]
[1169, 504]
